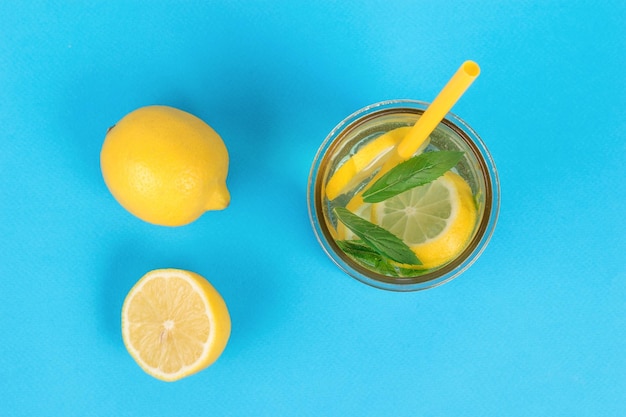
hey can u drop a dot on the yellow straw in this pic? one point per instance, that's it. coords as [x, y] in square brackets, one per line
[437, 110]
[432, 116]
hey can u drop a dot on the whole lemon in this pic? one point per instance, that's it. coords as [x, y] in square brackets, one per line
[165, 166]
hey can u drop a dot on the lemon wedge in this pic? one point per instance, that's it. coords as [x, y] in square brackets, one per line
[174, 323]
[435, 220]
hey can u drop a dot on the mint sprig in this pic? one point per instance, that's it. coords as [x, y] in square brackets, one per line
[377, 238]
[416, 171]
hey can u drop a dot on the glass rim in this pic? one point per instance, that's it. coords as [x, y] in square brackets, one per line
[431, 279]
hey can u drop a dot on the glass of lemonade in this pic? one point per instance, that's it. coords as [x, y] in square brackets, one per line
[444, 219]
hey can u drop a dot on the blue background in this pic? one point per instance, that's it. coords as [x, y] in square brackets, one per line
[536, 327]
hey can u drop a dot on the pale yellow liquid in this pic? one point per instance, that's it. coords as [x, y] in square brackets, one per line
[446, 137]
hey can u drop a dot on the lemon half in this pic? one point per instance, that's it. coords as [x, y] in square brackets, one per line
[174, 323]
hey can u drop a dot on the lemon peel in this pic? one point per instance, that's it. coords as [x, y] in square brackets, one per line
[165, 166]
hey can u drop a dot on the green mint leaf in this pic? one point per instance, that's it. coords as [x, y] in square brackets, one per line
[413, 172]
[377, 238]
[370, 259]
[367, 257]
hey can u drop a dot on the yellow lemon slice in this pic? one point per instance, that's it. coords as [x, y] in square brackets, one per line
[435, 220]
[367, 159]
[174, 323]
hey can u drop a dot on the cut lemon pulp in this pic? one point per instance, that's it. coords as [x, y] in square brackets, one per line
[435, 220]
[174, 323]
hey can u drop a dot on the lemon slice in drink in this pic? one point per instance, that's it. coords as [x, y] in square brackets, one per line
[174, 323]
[365, 161]
[435, 220]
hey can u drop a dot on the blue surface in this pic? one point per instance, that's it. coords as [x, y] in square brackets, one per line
[536, 327]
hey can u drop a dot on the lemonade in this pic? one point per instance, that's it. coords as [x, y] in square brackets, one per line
[405, 227]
